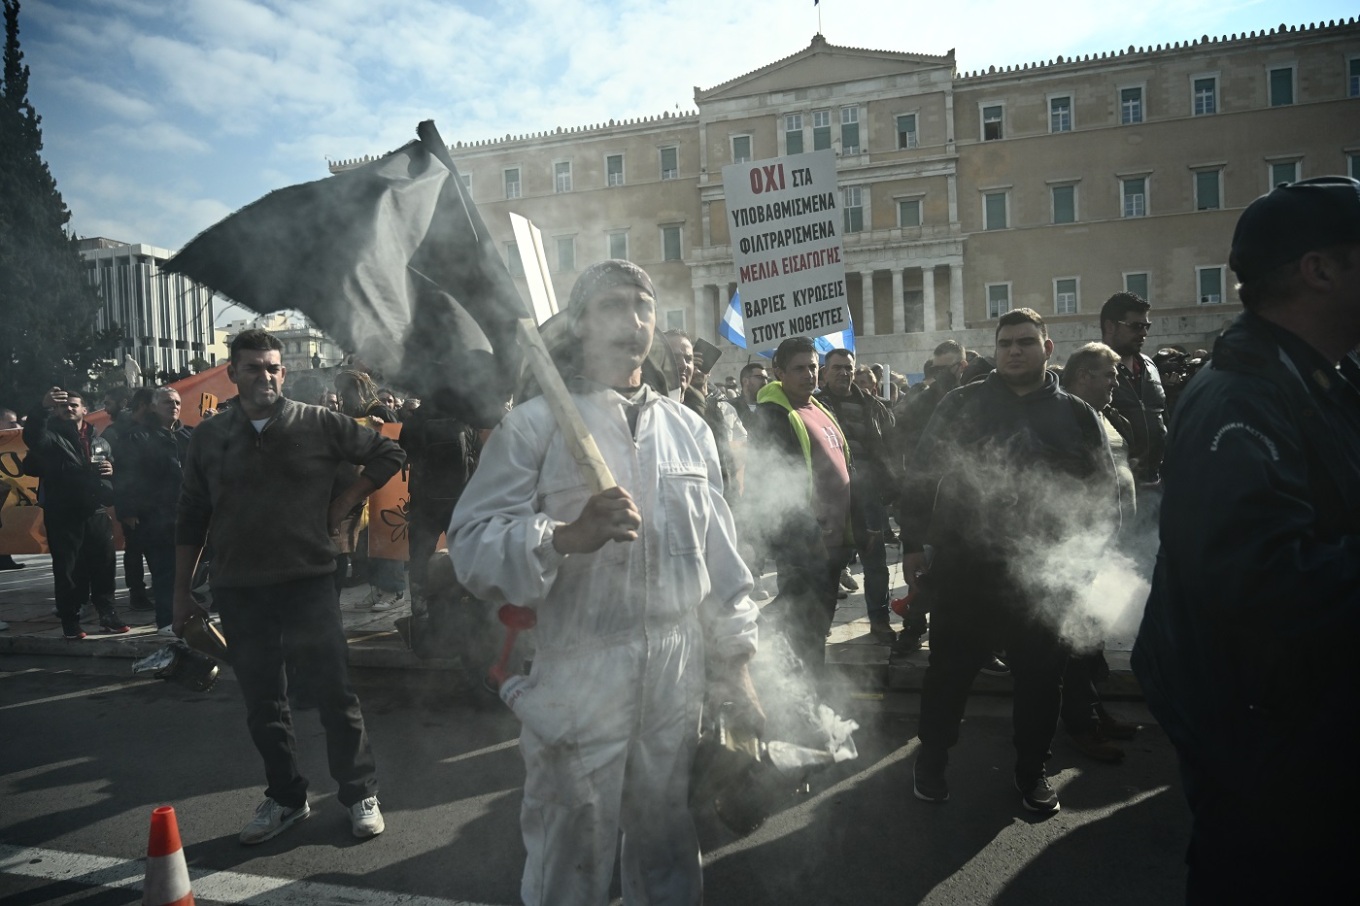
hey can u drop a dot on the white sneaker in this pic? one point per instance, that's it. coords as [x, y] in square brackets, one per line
[3, 625]
[271, 819]
[384, 600]
[166, 631]
[366, 819]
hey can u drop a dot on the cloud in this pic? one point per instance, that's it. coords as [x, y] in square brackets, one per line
[154, 137]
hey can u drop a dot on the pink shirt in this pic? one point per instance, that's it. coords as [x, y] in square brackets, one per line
[830, 472]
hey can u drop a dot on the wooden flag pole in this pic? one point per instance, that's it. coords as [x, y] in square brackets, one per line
[580, 442]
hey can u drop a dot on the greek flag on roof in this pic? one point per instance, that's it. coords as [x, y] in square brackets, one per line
[732, 329]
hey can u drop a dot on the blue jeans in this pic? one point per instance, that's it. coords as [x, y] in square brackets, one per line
[869, 532]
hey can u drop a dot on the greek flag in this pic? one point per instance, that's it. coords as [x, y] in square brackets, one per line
[732, 329]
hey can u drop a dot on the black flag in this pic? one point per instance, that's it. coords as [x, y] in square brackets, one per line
[391, 260]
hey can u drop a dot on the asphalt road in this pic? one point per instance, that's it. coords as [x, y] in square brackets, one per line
[84, 757]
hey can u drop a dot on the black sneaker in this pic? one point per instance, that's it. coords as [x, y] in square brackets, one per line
[995, 666]
[927, 777]
[1038, 795]
[140, 600]
[72, 632]
[113, 624]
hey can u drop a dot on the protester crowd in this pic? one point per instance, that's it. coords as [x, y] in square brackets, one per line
[651, 592]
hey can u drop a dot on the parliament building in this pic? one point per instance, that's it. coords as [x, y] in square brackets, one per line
[1048, 185]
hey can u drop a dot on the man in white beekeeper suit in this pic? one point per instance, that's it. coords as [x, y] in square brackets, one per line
[639, 591]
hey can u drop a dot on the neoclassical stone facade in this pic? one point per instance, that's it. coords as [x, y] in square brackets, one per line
[1049, 185]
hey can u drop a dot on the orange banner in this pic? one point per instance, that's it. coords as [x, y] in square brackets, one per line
[212, 384]
[21, 529]
[389, 511]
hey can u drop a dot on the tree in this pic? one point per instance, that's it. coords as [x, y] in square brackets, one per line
[47, 307]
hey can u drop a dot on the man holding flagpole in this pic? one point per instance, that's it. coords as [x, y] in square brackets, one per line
[641, 600]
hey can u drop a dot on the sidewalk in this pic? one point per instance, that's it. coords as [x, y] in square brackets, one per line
[26, 603]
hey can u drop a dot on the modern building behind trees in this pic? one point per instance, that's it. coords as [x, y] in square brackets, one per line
[166, 319]
[1049, 185]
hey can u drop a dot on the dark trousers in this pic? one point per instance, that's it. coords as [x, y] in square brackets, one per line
[133, 553]
[805, 602]
[967, 625]
[425, 527]
[83, 562]
[1080, 697]
[161, 558]
[299, 623]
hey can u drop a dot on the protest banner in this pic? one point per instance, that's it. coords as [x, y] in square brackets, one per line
[21, 528]
[389, 510]
[784, 218]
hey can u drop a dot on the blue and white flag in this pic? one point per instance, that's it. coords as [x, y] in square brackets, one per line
[732, 329]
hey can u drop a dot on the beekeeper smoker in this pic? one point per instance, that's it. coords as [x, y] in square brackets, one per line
[637, 589]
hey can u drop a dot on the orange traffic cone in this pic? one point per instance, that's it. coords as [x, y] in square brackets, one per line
[167, 876]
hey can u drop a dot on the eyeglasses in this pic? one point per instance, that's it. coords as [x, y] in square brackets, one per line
[1144, 326]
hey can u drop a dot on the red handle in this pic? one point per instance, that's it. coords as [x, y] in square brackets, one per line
[516, 619]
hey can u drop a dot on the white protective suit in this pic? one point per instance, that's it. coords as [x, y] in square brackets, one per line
[618, 680]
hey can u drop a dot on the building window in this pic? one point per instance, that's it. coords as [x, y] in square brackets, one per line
[1210, 283]
[1281, 86]
[1354, 161]
[741, 149]
[1284, 171]
[1208, 190]
[566, 254]
[1353, 77]
[1064, 204]
[467, 187]
[562, 176]
[1060, 114]
[994, 211]
[998, 299]
[512, 262]
[1130, 105]
[821, 130]
[1065, 296]
[991, 123]
[1135, 196]
[670, 243]
[512, 185]
[906, 131]
[909, 212]
[1139, 285]
[618, 244]
[670, 163]
[613, 170]
[1205, 95]
[849, 130]
[793, 133]
[675, 319]
[852, 200]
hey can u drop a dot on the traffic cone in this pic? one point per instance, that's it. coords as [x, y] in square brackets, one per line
[167, 876]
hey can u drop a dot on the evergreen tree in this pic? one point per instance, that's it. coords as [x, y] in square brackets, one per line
[48, 335]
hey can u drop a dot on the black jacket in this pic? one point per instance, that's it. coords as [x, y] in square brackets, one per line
[1144, 405]
[59, 456]
[998, 475]
[441, 452]
[147, 480]
[1246, 648]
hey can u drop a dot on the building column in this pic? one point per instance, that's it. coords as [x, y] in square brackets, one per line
[928, 298]
[702, 312]
[899, 303]
[866, 303]
[956, 321]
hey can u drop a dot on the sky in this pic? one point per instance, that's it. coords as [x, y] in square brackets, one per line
[161, 118]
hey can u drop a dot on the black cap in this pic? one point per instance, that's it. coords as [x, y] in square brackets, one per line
[1293, 219]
